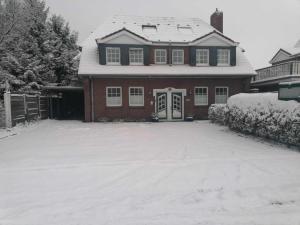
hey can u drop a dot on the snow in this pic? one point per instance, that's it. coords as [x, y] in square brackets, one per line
[73, 173]
[167, 31]
[262, 100]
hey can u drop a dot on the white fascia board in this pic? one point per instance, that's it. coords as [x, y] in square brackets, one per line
[123, 32]
[215, 35]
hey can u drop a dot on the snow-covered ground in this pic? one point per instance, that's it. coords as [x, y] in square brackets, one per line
[73, 173]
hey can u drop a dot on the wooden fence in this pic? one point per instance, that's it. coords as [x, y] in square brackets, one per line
[22, 107]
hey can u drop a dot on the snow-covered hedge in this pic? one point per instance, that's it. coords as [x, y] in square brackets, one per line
[217, 113]
[263, 115]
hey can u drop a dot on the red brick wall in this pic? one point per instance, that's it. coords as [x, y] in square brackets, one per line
[126, 112]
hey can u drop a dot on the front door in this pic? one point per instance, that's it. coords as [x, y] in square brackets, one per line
[161, 105]
[176, 105]
[169, 103]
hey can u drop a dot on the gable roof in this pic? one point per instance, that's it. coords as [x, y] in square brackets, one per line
[280, 51]
[166, 29]
[116, 33]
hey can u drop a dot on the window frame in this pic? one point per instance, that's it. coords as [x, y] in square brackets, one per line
[155, 52]
[228, 59]
[113, 63]
[129, 97]
[206, 50]
[178, 63]
[135, 63]
[197, 104]
[226, 95]
[121, 96]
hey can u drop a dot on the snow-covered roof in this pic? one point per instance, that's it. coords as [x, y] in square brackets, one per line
[295, 50]
[160, 29]
[167, 29]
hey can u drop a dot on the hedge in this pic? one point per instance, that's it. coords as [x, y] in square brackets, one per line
[262, 115]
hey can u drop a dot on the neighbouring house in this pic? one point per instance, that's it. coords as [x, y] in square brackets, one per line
[285, 68]
[134, 67]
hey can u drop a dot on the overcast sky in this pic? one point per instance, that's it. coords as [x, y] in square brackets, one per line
[261, 26]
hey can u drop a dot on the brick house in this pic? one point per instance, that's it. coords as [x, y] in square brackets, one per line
[133, 67]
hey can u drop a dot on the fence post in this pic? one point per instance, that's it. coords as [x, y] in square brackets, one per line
[25, 107]
[39, 105]
[7, 105]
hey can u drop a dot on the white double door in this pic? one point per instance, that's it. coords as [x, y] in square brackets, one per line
[170, 103]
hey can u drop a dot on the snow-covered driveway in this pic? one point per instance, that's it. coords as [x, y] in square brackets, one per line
[73, 173]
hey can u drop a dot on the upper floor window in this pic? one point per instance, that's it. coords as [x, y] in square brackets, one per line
[223, 57]
[136, 56]
[113, 56]
[177, 56]
[221, 95]
[160, 56]
[136, 96]
[113, 96]
[201, 96]
[202, 57]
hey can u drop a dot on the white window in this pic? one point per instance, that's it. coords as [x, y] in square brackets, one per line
[223, 57]
[160, 56]
[221, 95]
[113, 56]
[113, 96]
[177, 56]
[136, 96]
[202, 57]
[201, 96]
[136, 56]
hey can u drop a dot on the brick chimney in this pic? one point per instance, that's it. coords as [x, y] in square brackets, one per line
[216, 20]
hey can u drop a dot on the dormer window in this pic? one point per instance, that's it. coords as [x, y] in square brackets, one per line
[177, 56]
[202, 57]
[223, 57]
[136, 56]
[113, 56]
[185, 29]
[149, 29]
[160, 56]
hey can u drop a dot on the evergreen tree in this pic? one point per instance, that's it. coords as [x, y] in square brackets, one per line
[35, 50]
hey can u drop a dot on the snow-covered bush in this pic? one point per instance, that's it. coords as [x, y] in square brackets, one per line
[262, 115]
[265, 116]
[217, 113]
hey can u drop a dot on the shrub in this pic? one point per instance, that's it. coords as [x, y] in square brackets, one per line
[262, 115]
[217, 113]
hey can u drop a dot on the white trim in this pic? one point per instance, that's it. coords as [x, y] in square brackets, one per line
[160, 49]
[216, 93]
[136, 64]
[223, 64]
[202, 49]
[136, 105]
[121, 96]
[195, 95]
[113, 63]
[216, 35]
[120, 33]
[179, 50]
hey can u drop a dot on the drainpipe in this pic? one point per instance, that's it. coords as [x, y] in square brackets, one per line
[92, 98]
[170, 54]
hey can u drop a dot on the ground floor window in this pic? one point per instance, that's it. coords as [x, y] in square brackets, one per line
[221, 95]
[201, 96]
[136, 96]
[113, 96]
